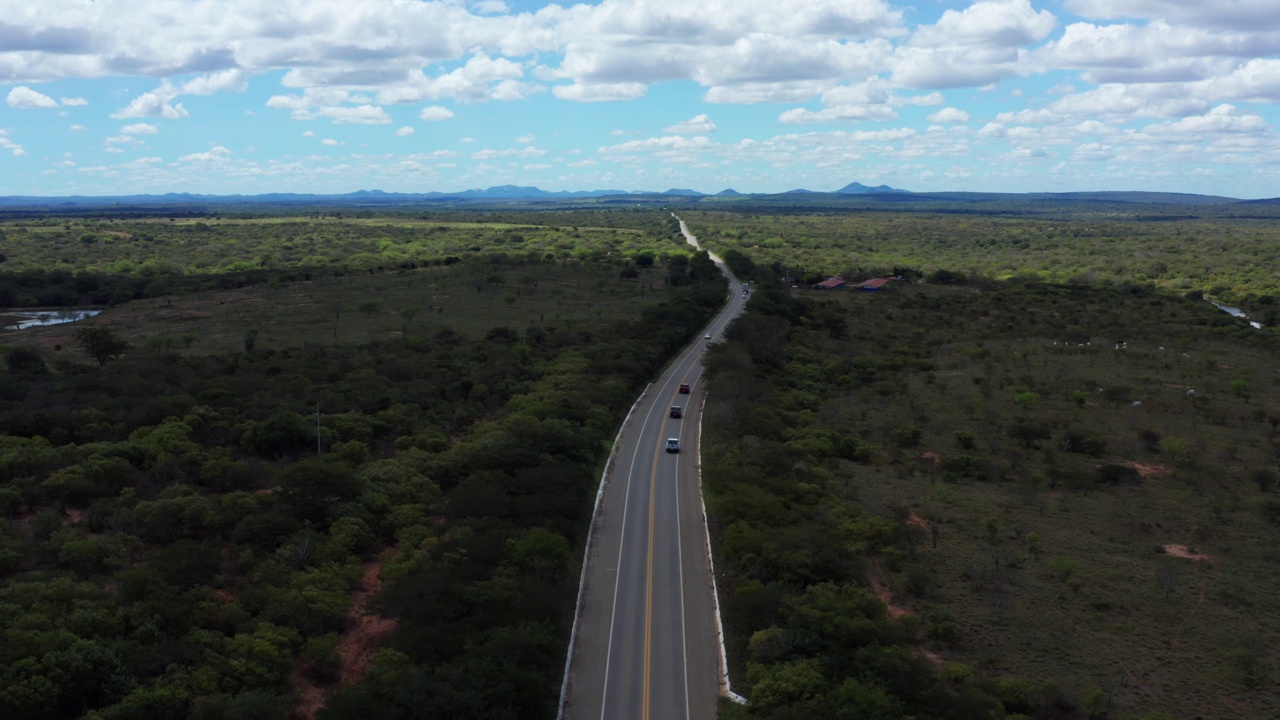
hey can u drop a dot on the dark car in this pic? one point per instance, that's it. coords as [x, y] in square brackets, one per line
[677, 411]
[684, 388]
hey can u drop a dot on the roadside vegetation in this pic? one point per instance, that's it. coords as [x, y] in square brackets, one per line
[995, 499]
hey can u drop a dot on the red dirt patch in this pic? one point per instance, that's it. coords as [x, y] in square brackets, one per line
[1182, 551]
[875, 576]
[914, 519]
[365, 634]
[1147, 470]
[931, 455]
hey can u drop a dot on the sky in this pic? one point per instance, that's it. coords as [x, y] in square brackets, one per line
[113, 97]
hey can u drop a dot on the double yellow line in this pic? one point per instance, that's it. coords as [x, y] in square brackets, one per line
[648, 590]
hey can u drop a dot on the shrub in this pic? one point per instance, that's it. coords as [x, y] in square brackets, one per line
[906, 436]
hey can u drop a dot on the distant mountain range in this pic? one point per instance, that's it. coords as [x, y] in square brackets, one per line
[526, 194]
[497, 192]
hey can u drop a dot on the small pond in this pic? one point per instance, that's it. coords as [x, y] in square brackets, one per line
[1237, 312]
[37, 318]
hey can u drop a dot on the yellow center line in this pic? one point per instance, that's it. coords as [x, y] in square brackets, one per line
[648, 591]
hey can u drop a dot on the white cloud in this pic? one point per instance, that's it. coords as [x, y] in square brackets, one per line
[142, 162]
[330, 142]
[360, 115]
[308, 134]
[980, 45]
[73, 102]
[233, 79]
[838, 113]
[140, 129]
[1094, 152]
[988, 23]
[156, 103]
[491, 154]
[24, 98]
[949, 116]
[6, 144]
[435, 113]
[525, 139]
[1026, 153]
[214, 155]
[1221, 119]
[671, 142]
[697, 125]
[1119, 100]
[1029, 117]
[404, 131]
[481, 78]
[1234, 14]
[336, 105]
[78, 128]
[600, 92]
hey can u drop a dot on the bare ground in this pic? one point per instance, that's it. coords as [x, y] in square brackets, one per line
[366, 633]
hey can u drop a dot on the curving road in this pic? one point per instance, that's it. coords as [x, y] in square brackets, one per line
[646, 643]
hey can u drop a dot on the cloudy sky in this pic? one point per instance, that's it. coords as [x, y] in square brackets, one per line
[248, 96]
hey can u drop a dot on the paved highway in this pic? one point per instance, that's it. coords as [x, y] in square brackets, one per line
[646, 644]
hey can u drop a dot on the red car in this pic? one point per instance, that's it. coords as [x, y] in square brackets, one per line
[684, 388]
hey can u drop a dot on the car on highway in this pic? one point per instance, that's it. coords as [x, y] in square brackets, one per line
[673, 445]
[684, 388]
[677, 411]
[707, 336]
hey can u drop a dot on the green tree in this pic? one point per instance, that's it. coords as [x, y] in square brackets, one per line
[28, 360]
[101, 343]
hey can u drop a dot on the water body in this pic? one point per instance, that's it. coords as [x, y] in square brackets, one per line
[1236, 312]
[38, 318]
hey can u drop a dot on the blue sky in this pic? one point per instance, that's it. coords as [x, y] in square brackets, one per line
[240, 96]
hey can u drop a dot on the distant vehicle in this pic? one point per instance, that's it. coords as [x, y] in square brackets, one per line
[706, 336]
[684, 388]
[673, 445]
[677, 411]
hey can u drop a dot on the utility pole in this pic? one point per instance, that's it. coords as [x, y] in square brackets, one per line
[317, 429]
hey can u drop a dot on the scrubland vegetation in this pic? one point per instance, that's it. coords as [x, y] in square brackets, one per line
[1227, 259]
[1042, 482]
[1065, 493]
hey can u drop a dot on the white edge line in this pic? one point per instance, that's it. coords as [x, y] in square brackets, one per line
[586, 551]
[684, 636]
[711, 563]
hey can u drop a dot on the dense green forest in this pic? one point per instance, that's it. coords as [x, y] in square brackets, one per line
[995, 499]
[193, 529]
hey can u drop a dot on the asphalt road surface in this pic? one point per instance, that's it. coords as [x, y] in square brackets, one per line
[646, 646]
